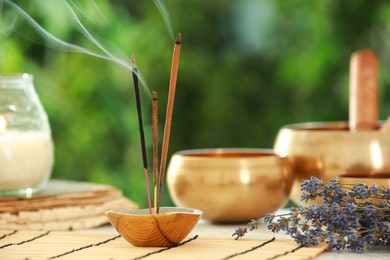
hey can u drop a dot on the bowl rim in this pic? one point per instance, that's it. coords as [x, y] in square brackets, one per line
[335, 126]
[163, 211]
[229, 151]
[382, 176]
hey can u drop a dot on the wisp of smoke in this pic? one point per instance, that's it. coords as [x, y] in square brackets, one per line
[165, 14]
[122, 60]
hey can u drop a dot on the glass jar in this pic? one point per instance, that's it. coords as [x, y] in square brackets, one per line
[26, 146]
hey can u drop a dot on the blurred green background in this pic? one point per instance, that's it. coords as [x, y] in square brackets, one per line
[247, 68]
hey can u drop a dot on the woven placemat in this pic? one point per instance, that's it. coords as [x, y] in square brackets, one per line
[76, 245]
[62, 205]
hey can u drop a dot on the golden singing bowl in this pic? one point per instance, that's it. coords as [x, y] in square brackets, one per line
[167, 228]
[349, 181]
[229, 185]
[327, 150]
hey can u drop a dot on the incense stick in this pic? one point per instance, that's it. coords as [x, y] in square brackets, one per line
[168, 119]
[141, 130]
[155, 148]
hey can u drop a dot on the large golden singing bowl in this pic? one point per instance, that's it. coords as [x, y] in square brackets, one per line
[167, 228]
[327, 150]
[229, 185]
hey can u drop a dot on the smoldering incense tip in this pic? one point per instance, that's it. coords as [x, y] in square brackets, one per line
[178, 38]
[154, 95]
[133, 64]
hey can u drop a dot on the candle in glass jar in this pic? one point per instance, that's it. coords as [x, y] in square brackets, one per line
[26, 158]
[26, 148]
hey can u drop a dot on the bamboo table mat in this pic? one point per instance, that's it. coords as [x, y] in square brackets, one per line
[31, 245]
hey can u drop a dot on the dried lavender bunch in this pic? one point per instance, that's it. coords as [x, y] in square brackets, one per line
[347, 218]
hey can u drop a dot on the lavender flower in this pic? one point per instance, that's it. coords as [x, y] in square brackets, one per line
[240, 232]
[347, 218]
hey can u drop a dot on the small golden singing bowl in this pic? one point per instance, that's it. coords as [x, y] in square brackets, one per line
[327, 150]
[229, 185]
[167, 228]
[380, 180]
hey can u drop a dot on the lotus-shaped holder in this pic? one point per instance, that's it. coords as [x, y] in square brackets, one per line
[167, 228]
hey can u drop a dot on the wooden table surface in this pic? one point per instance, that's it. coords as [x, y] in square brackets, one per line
[206, 241]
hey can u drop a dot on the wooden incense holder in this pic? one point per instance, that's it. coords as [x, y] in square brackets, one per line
[168, 228]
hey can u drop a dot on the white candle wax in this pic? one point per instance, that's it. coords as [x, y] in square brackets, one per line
[26, 159]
